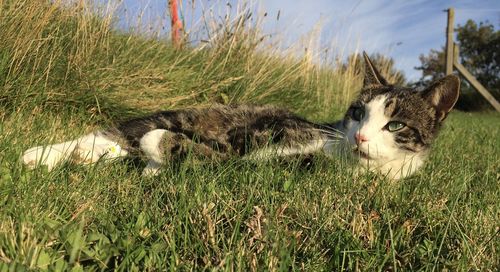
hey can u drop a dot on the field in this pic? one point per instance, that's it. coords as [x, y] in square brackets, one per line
[64, 72]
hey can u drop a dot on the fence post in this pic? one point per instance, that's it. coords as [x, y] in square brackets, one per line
[453, 60]
[175, 23]
[449, 42]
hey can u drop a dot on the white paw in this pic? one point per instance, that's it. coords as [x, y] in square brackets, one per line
[152, 169]
[41, 155]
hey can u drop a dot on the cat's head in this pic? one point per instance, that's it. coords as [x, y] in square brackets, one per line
[390, 128]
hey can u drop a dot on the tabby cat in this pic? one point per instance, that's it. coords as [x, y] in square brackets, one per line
[387, 129]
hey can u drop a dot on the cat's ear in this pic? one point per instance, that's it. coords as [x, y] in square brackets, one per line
[443, 94]
[372, 76]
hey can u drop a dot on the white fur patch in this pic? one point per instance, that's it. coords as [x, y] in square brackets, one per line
[152, 169]
[280, 151]
[49, 155]
[150, 146]
[372, 126]
[86, 149]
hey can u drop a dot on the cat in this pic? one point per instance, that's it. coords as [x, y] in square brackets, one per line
[388, 129]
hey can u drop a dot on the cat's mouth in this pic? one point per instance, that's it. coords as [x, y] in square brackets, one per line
[361, 154]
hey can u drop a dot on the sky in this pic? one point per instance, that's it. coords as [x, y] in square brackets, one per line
[399, 29]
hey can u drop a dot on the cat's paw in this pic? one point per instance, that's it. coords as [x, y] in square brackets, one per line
[152, 169]
[41, 155]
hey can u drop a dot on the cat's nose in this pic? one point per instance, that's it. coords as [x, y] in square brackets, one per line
[360, 138]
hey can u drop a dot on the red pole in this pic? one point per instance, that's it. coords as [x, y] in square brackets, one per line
[175, 22]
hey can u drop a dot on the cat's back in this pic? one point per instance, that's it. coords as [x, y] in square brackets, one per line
[236, 115]
[224, 118]
[216, 121]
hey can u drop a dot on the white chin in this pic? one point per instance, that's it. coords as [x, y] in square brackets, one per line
[367, 162]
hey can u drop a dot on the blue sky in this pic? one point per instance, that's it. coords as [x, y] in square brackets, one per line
[400, 29]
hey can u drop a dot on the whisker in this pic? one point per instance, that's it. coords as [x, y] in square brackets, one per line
[331, 133]
[330, 129]
[333, 141]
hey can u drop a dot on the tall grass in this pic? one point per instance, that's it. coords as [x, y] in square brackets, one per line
[56, 55]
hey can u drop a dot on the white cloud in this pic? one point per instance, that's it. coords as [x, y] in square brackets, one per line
[400, 29]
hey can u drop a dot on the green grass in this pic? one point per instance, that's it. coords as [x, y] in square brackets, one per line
[71, 73]
[239, 215]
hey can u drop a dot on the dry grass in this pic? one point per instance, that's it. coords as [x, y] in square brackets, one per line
[65, 56]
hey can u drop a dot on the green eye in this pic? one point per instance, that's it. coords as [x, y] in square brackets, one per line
[358, 114]
[395, 126]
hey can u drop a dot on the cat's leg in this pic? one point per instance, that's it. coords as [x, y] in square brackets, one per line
[49, 155]
[276, 151]
[86, 149]
[96, 146]
[151, 147]
[161, 145]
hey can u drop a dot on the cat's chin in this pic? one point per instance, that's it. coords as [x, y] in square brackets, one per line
[367, 162]
[362, 155]
[395, 168]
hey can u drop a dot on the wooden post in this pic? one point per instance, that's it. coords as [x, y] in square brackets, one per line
[452, 60]
[449, 41]
[473, 81]
[175, 23]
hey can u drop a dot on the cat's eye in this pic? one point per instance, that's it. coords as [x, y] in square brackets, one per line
[395, 126]
[358, 114]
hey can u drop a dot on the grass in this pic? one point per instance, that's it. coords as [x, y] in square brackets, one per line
[71, 73]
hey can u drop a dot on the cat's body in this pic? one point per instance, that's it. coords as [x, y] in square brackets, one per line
[218, 132]
[387, 129]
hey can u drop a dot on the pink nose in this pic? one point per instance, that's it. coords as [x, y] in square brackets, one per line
[360, 138]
